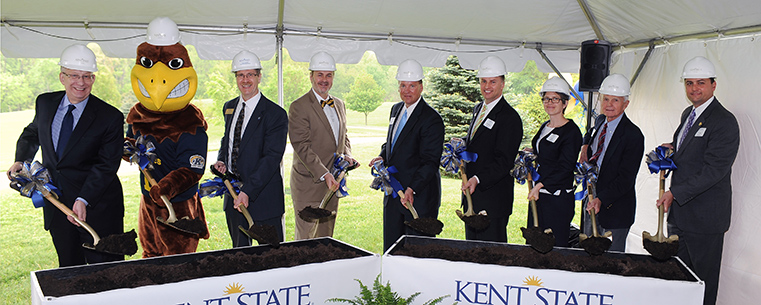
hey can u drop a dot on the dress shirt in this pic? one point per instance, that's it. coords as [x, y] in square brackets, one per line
[608, 135]
[250, 106]
[63, 107]
[698, 111]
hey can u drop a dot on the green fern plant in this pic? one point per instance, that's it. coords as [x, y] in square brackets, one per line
[382, 295]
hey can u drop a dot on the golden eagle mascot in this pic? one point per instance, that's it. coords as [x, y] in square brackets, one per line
[164, 81]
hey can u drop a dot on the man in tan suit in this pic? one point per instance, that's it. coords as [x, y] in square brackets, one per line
[317, 128]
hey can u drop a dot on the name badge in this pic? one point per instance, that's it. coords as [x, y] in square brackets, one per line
[552, 137]
[229, 111]
[489, 123]
[391, 122]
[700, 132]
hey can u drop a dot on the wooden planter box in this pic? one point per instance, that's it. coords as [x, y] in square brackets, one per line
[309, 283]
[487, 283]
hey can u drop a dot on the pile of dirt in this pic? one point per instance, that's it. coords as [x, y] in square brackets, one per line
[136, 275]
[569, 260]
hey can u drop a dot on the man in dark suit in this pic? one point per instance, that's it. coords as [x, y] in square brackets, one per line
[81, 140]
[495, 134]
[252, 148]
[617, 147]
[413, 145]
[706, 145]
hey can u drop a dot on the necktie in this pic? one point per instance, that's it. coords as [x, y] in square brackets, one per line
[236, 139]
[480, 120]
[687, 127]
[65, 132]
[328, 102]
[399, 127]
[600, 144]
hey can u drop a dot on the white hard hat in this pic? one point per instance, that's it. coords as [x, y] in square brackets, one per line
[698, 67]
[409, 71]
[78, 57]
[162, 31]
[246, 60]
[615, 84]
[322, 61]
[491, 66]
[555, 84]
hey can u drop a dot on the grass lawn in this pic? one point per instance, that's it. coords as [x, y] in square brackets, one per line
[25, 246]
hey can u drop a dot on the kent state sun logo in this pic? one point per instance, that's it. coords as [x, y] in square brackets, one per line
[533, 281]
[234, 288]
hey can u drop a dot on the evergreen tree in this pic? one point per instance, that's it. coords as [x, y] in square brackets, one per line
[453, 93]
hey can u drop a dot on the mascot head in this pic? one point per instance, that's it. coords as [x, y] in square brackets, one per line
[163, 78]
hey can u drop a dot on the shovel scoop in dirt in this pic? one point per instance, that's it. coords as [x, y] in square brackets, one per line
[34, 181]
[427, 226]
[659, 246]
[524, 171]
[452, 160]
[340, 167]
[230, 184]
[595, 244]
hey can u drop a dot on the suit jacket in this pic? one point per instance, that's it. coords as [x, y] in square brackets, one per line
[496, 147]
[557, 159]
[701, 184]
[416, 155]
[313, 145]
[89, 162]
[618, 175]
[261, 150]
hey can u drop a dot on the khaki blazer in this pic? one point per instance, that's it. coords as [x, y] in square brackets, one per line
[313, 145]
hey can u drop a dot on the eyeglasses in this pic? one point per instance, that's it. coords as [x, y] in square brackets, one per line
[553, 100]
[75, 77]
[247, 75]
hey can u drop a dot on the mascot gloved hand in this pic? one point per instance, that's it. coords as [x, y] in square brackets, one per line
[164, 82]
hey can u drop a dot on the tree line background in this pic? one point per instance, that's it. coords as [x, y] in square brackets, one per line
[452, 90]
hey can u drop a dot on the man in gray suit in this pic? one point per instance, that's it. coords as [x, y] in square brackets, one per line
[706, 145]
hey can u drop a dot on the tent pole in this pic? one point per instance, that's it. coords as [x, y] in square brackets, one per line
[549, 62]
[642, 64]
[279, 50]
[591, 18]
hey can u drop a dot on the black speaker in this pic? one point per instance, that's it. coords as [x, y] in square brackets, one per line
[595, 64]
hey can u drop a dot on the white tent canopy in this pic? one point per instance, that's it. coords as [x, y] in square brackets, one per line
[726, 32]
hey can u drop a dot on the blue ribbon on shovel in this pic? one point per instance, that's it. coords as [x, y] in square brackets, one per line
[384, 180]
[340, 164]
[140, 153]
[660, 159]
[524, 164]
[583, 174]
[34, 181]
[216, 187]
[454, 154]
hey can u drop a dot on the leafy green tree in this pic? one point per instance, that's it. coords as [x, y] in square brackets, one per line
[453, 93]
[295, 80]
[365, 95]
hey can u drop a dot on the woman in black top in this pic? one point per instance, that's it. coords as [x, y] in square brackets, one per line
[557, 145]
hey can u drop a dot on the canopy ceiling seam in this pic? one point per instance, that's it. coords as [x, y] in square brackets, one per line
[591, 19]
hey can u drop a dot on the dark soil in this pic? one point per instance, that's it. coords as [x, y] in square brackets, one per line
[661, 251]
[118, 243]
[192, 226]
[539, 241]
[596, 245]
[477, 222]
[311, 214]
[263, 234]
[136, 275]
[428, 226]
[560, 260]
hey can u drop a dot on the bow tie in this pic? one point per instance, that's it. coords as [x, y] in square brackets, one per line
[329, 102]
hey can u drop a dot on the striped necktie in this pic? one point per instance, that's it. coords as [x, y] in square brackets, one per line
[236, 139]
[600, 144]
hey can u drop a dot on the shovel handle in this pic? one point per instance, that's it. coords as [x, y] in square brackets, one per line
[464, 177]
[172, 216]
[243, 210]
[409, 207]
[592, 214]
[69, 212]
[532, 202]
[662, 189]
[328, 195]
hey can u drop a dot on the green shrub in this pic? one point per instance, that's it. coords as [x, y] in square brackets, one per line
[382, 295]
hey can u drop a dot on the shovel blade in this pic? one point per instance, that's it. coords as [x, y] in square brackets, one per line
[538, 239]
[185, 225]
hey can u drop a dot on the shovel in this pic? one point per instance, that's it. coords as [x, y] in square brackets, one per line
[541, 240]
[659, 246]
[320, 213]
[187, 225]
[595, 244]
[427, 226]
[263, 234]
[478, 222]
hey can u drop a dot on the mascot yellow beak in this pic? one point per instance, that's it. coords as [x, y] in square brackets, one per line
[161, 81]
